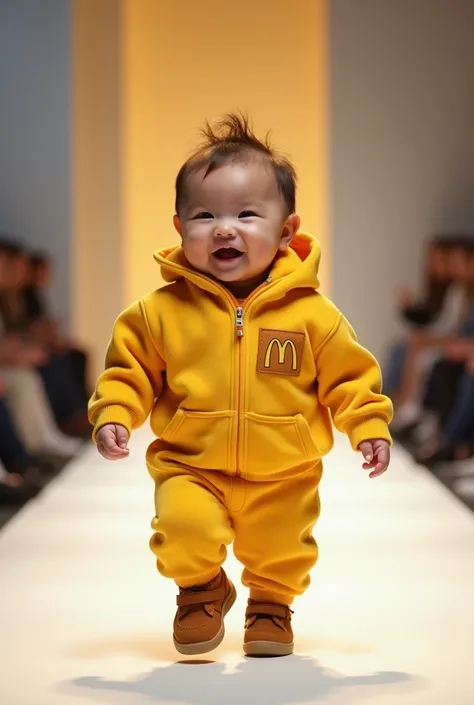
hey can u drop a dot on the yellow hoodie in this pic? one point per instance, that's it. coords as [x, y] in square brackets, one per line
[243, 389]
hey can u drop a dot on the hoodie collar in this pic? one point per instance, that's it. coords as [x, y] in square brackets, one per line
[297, 267]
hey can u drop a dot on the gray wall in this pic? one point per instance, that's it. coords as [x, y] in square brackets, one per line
[34, 129]
[402, 152]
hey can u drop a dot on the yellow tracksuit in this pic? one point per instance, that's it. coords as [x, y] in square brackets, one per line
[241, 398]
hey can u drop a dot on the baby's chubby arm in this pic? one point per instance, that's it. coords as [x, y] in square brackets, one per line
[131, 382]
[350, 385]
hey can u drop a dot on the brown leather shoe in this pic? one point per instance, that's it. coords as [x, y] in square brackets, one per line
[199, 621]
[268, 630]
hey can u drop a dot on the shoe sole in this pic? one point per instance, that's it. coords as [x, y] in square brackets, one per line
[204, 647]
[268, 648]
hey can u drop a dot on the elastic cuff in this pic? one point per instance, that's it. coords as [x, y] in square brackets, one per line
[277, 598]
[113, 414]
[198, 581]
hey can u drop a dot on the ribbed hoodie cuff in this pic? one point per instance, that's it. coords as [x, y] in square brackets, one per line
[367, 430]
[113, 414]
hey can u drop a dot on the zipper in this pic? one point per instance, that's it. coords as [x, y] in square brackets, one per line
[240, 334]
[239, 312]
[239, 327]
[239, 321]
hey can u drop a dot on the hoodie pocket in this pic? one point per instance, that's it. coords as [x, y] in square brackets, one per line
[275, 444]
[200, 439]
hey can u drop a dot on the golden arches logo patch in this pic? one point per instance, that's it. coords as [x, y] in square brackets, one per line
[280, 352]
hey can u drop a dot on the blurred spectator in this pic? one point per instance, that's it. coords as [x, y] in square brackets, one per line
[439, 310]
[42, 380]
[33, 378]
[424, 346]
[30, 409]
[434, 407]
[66, 395]
[19, 468]
[41, 321]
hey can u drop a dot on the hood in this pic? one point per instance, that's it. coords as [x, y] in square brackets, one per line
[296, 267]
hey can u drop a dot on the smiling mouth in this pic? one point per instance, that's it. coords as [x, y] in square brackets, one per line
[227, 253]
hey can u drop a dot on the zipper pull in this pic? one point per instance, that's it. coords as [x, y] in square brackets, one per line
[239, 321]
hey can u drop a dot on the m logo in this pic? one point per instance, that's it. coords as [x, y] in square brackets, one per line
[280, 352]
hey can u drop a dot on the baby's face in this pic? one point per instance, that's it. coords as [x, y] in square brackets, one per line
[234, 221]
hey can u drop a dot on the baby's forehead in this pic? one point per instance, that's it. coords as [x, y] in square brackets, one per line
[235, 180]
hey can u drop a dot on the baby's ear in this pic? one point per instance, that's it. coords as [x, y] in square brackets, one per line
[177, 224]
[290, 228]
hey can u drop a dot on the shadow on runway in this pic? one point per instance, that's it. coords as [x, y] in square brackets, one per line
[288, 681]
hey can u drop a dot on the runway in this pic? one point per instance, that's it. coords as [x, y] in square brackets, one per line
[389, 618]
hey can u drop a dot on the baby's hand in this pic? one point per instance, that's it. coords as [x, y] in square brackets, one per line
[377, 456]
[112, 441]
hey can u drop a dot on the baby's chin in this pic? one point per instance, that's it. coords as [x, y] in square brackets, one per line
[231, 277]
[227, 272]
[239, 273]
[238, 277]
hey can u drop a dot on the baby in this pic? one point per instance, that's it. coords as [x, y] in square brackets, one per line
[243, 365]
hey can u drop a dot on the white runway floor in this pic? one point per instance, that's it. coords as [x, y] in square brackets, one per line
[389, 618]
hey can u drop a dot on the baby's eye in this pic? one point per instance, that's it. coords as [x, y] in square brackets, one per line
[247, 214]
[203, 216]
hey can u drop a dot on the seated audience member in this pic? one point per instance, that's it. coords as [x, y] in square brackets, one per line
[20, 469]
[424, 347]
[24, 391]
[67, 399]
[439, 310]
[451, 454]
[42, 323]
[450, 402]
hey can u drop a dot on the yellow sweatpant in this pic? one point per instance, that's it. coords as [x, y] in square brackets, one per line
[199, 514]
